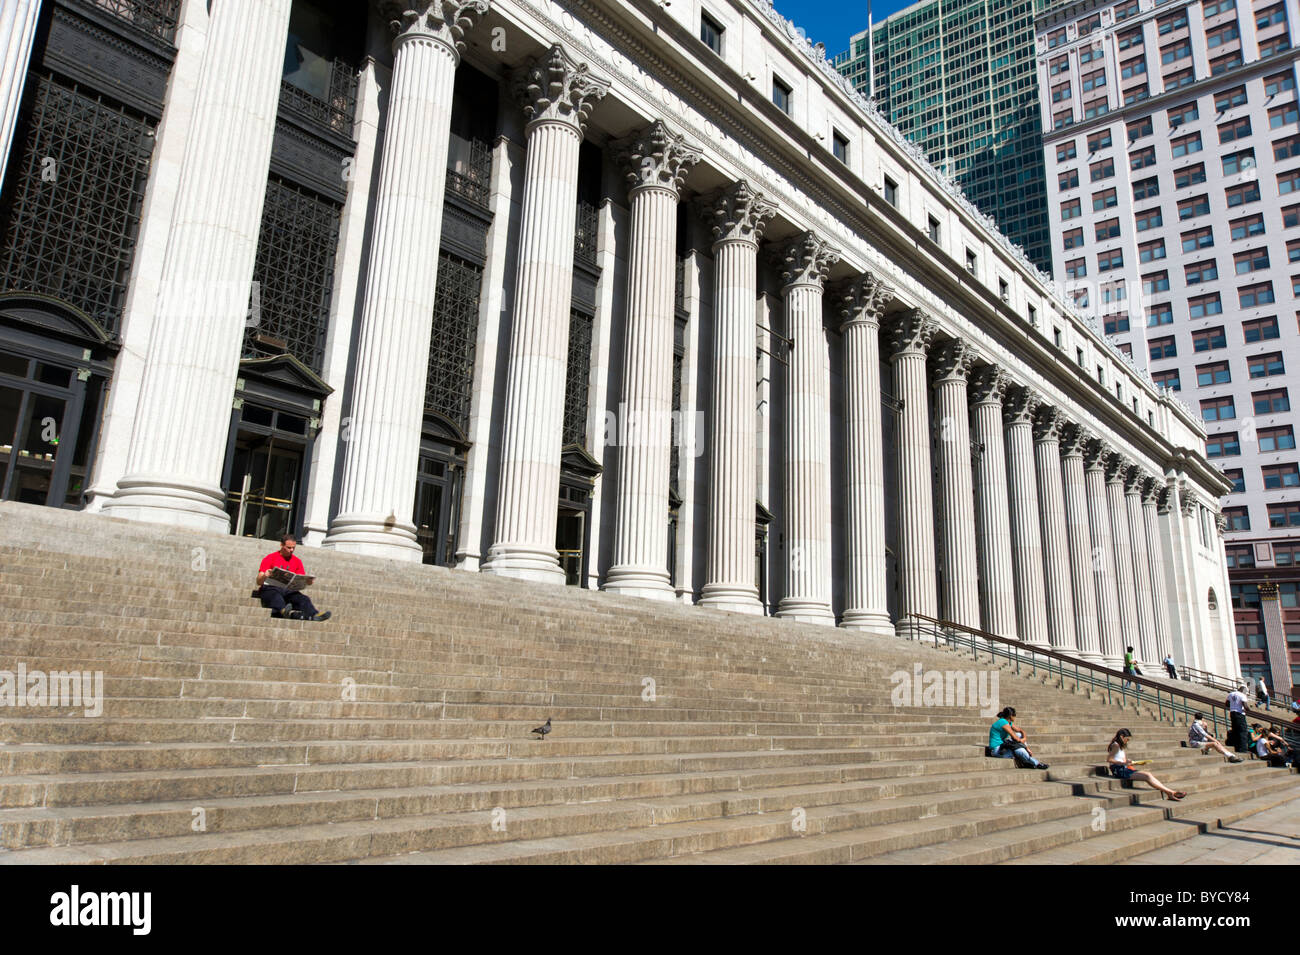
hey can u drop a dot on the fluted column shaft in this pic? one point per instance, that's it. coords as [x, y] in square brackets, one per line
[997, 584]
[382, 450]
[557, 95]
[1123, 558]
[173, 471]
[1055, 536]
[804, 262]
[1026, 528]
[1082, 586]
[1156, 560]
[1103, 559]
[18, 32]
[865, 598]
[657, 161]
[738, 216]
[910, 338]
[959, 582]
[1149, 648]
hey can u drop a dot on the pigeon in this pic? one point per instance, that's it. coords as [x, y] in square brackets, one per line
[541, 731]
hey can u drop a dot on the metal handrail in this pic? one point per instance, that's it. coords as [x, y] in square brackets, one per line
[1218, 682]
[1176, 702]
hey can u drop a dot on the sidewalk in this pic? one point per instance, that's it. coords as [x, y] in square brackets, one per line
[1267, 838]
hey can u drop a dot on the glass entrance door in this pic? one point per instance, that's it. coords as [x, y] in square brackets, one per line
[42, 460]
[437, 500]
[264, 485]
[570, 536]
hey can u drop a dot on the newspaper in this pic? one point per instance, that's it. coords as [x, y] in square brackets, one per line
[287, 580]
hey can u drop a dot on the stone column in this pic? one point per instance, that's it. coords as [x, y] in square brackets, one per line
[997, 584]
[1103, 553]
[910, 337]
[737, 216]
[557, 96]
[1082, 588]
[959, 579]
[1116, 477]
[866, 607]
[804, 262]
[17, 33]
[178, 446]
[382, 434]
[1151, 495]
[1055, 536]
[657, 162]
[1149, 647]
[1026, 529]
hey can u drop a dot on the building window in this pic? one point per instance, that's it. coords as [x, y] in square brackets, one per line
[1237, 129]
[1202, 305]
[781, 95]
[1067, 180]
[1130, 38]
[1193, 207]
[1185, 145]
[1138, 129]
[1252, 296]
[1066, 151]
[1286, 148]
[1070, 210]
[1281, 475]
[840, 146]
[1179, 79]
[1142, 158]
[1033, 317]
[1222, 445]
[1252, 260]
[1262, 366]
[1209, 339]
[1160, 315]
[1155, 282]
[1229, 98]
[1238, 161]
[1225, 63]
[1200, 272]
[1172, 22]
[1163, 348]
[1202, 238]
[1105, 199]
[1101, 170]
[1134, 67]
[1150, 219]
[1099, 141]
[1240, 195]
[1170, 379]
[449, 382]
[1286, 514]
[1107, 261]
[1189, 176]
[1238, 478]
[1072, 239]
[932, 227]
[1282, 115]
[1279, 83]
[1211, 8]
[1246, 227]
[1288, 182]
[970, 262]
[577, 379]
[1214, 373]
[1276, 439]
[1004, 290]
[711, 33]
[1115, 324]
[1272, 401]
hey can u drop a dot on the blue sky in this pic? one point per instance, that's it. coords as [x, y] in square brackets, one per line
[834, 22]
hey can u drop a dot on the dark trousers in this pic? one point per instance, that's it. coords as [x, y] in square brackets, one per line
[1241, 732]
[1172, 672]
[275, 598]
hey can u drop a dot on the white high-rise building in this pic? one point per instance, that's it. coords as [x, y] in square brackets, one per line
[1172, 147]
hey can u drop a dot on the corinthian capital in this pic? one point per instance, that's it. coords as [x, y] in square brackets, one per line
[805, 260]
[444, 20]
[1048, 423]
[1117, 468]
[737, 212]
[861, 300]
[556, 89]
[953, 360]
[1074, 439]
[987, 385]
[1020, 405]
[656, 157]
[911, 333]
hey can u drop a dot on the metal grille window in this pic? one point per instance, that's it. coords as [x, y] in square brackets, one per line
[78, 182]
[577, 379]
[584, 234]
[469, 170]
[156, 18]
[294, 272]
[333, 107]
[450, 381]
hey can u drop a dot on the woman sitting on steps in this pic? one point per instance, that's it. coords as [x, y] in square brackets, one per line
[1121, 768]
[1007, 742]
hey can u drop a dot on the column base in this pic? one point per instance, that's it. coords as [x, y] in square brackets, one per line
[629, 581]
[732, 598]
[160, 500]
[868, 621]
[910, 628]
[373, 537]
[1115, 663]
[1096, 659]
[521, 563]
[805, 611]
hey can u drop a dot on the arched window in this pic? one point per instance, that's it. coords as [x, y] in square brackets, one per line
[1213, 600]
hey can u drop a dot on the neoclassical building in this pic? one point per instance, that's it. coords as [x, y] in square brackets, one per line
[618, 293]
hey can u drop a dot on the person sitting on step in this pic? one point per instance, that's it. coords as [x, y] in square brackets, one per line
[1199, 737]
[1121, 768]
[1007, 741]
[293, 605]
[1276, 749]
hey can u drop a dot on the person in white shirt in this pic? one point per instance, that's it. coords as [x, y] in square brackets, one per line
[1200, 737]
[1261, 692]
[1172, 670]
[1240, 734]
[1121, 768]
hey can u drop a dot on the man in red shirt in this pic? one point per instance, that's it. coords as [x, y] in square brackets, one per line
[294, 605]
